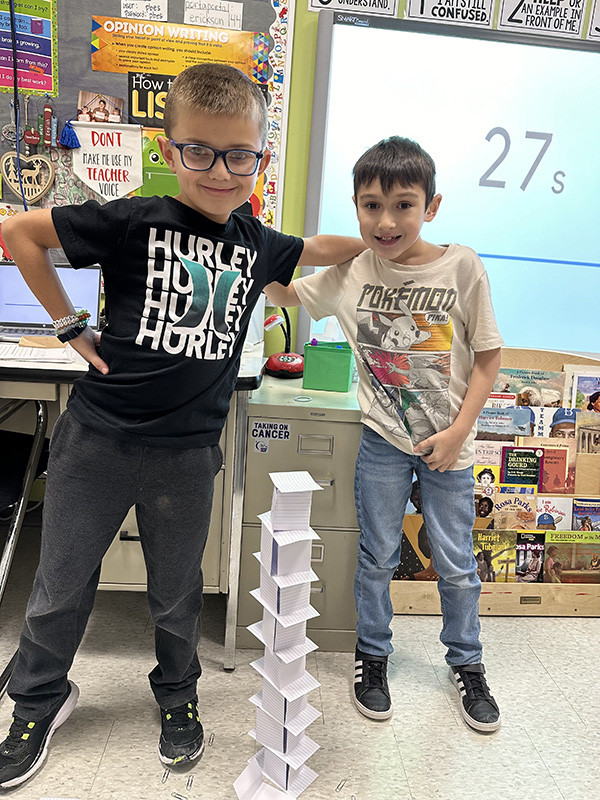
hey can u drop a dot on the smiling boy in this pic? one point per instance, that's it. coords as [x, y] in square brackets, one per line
[420, 321]
[181, 277]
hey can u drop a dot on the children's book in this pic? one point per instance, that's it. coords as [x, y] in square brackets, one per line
[572, 557]
[587, 432]
[586, 514]
[415, 561]
[570, 370]
[514, 507]
[535, 387]
[502, 400]
[488, 454]
[484, 503]
[486, 478]
[554, 512]
[503, 424]
[585, 391]
[560, 458]
[543, 417]
[522, 465]
[530, 557]
[495, 551]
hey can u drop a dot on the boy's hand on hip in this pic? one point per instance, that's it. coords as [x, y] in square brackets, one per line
[86, 344]
[445, 448]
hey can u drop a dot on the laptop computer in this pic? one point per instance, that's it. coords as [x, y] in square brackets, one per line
[21, 314]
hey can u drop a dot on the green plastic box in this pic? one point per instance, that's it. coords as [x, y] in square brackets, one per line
[328, 366]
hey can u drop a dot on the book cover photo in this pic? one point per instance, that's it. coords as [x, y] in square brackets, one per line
[529, 557]
[495, 552]
[587, 432]
[484, 506]
[522, 465]
[556, 423]
[586, 514]
[515, 507]
[535, 387]
[560, 460]
[553, 512]
[572, 557]
[585, 392]
[503, 424]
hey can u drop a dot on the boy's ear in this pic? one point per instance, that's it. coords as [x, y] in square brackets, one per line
[354, 200]
[166, 150]
[433, 207]
[264, 162]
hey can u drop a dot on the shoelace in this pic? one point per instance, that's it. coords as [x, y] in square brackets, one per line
[180, 717]
[374, 674]
[15, 735]
[476, 685]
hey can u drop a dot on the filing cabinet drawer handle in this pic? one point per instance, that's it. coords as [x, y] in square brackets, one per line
[318, 553]
[318, 589]
[125, 536]
[325, 481]
[311, 451]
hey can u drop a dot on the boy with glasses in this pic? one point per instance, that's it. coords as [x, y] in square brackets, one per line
[181, 275]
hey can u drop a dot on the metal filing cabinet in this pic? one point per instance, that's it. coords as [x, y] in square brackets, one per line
[285, 432]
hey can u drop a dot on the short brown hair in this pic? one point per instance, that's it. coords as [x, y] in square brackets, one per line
[215, 89]
[396, 160]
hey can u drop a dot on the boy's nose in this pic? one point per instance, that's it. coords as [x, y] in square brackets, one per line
[218, 170]
[387, 222]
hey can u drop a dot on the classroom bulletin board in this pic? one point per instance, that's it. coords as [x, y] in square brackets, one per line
[126, 53]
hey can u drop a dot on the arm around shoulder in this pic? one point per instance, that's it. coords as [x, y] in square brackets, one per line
[282, 296]
[324, 250]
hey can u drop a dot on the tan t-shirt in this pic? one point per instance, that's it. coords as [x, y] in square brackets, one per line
[413, 330]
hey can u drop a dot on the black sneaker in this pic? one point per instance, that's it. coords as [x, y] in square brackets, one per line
[25, 749]
[371, 692]
[182, 735]
[477, 706]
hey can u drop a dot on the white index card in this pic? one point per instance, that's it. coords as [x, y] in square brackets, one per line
[292, 691]
[294, 781]
[299, 481]
[250, 785]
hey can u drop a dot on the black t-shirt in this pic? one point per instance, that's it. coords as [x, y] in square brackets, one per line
[179, 292]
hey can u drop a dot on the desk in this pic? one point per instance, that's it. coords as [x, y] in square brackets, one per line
[31, 381]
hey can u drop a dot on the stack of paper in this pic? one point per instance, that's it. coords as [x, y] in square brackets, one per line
[282, 709]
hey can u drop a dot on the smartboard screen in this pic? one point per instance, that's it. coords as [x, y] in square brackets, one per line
[514, 130]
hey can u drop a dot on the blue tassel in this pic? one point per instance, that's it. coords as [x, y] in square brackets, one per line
[68, 137]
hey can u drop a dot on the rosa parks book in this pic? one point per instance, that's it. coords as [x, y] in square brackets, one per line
[514, 507]
[529, 557]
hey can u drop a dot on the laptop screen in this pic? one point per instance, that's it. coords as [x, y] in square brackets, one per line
[18, 306]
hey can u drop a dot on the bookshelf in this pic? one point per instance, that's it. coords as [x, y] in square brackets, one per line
[515, 599]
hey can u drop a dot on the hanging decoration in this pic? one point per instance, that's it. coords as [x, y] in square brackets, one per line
[36, 175]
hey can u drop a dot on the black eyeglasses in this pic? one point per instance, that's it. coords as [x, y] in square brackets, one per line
[201, 158]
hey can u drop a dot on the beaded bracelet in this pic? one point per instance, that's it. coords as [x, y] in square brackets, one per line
[71, 326]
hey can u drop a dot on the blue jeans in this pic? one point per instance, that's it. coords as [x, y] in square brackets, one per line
[382, 487]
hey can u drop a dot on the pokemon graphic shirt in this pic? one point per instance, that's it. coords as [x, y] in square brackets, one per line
[179, 292]
[413, 330]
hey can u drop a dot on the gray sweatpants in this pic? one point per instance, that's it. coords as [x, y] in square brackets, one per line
[93, 480]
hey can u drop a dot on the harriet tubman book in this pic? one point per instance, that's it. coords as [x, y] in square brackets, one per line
[534, 387]
[514, 507]
[586, 513]
[522, 465]
[530, 557]
[554, 512]
[560, 455]
[503, 424]
[495, 554]
[572, 557]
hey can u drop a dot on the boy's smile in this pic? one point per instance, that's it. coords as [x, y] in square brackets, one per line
[390, 223]
[216, 192]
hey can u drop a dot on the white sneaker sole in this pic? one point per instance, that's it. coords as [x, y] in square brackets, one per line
[169, 762]
[63, 715]
[482, 727]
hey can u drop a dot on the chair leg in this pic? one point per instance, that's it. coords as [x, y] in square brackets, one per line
[18, 515]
